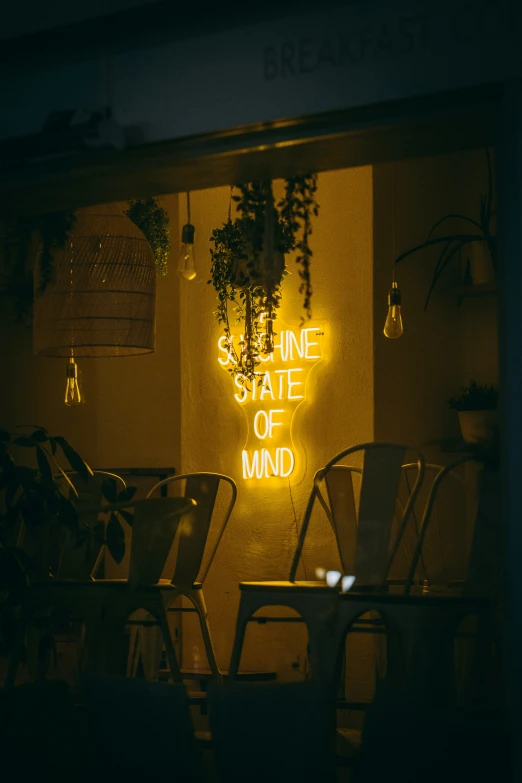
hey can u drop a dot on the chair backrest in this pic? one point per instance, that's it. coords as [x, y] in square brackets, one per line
[194, 546]
[155, 523]
[380, 475]
[441, 558]
[82, 562]
[341, 510]
[482, 575]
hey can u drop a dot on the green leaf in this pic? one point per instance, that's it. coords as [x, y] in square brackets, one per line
[11, 491]
[109, 489]
[128, 516]
[4, 435]
[115, 538]
[127, 493]
[454, 216]
[439, 240]
[24, 441]
[40, 435]
[74, 459]
[441, 266]
[68, 513]
[45, 468]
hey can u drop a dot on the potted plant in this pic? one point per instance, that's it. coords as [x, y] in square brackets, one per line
[34, 501]
[248, 263]
[477, 409]
[479, 242]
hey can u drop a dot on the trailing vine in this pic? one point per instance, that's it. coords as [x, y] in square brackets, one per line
[248, 263]
[297, 208]
[52, 231]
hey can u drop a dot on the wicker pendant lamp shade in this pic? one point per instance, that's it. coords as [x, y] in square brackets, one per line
[103, 300]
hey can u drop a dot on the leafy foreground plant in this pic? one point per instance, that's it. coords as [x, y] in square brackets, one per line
[42, 499]
[39, 502]
[248, 264]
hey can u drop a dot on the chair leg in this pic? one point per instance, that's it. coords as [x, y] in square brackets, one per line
[198, 599]
[244, 613]
[161, 615]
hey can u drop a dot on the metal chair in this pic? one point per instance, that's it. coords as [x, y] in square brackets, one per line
[336, 492]
[484, 547]
[193, 559]
[374, 551]
[421, 628]
[106, 604]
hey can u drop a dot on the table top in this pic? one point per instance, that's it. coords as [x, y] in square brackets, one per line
[449, 597]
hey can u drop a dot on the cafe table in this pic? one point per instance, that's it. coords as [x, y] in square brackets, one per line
[420, 631]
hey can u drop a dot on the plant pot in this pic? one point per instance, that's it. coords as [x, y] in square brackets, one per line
[480, 264]
[478, 426]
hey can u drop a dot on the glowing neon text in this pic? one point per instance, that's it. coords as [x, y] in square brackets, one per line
[271, 401]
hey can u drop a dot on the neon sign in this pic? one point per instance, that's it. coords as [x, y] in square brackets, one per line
[270, 403]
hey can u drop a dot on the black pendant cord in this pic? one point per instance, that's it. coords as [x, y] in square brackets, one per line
[188, 207]
[394, 216]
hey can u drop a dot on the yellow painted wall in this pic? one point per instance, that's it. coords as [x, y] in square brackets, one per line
[261, 535]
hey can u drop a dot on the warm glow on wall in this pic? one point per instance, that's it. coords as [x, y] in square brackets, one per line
[270, 404]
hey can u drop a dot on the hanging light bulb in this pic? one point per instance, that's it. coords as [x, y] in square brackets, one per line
[393, 326]
[187, 267]
[73, 394]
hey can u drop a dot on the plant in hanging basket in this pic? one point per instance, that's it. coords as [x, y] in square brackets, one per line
[248, 264]
[452, 245]
[153, 221]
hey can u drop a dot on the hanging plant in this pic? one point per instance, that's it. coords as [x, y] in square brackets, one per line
[248, 263]
[452, 244]
[50, 233]
[153, 221]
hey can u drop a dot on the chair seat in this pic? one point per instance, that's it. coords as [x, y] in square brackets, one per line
[309, 587]
[447, 600]
[166, 584]
[102, 584]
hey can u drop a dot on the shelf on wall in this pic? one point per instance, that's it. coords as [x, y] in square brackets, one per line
[470, 291]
